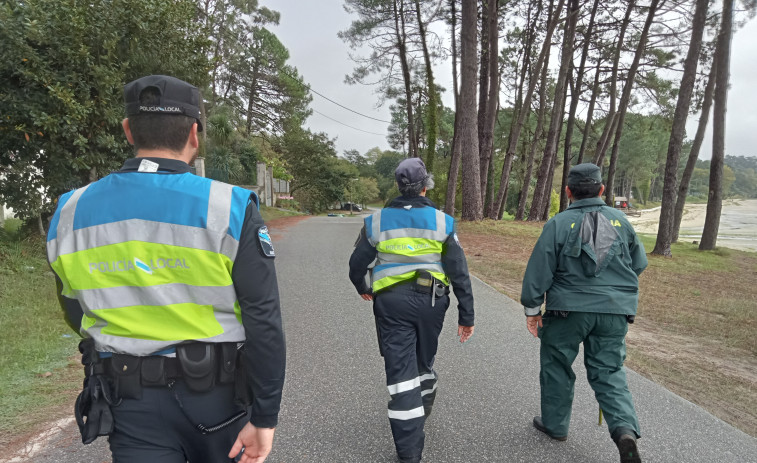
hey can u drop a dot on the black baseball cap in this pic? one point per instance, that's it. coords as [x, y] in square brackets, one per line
[410, 170]
[176, 97]
[586, 173]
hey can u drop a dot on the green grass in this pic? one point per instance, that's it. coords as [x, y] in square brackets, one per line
[695, 260]
[36, 340]
[270, 213]
[506, 227]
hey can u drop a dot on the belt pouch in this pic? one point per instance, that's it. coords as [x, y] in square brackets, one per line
[228, 364]
[424, 282]
[125, 371]
[198, 363]
[154, 371]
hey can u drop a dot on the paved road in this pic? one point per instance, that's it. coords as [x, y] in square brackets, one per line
[335, 397]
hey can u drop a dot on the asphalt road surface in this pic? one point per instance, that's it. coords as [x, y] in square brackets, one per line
[334, 406]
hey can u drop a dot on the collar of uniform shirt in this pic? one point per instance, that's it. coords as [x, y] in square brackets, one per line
[587, 202]
[418, 201]
[165, 165]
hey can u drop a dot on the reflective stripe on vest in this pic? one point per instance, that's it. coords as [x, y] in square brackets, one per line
[145, 284]
[407, 240]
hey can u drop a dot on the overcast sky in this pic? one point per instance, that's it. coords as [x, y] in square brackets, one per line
[308, 29]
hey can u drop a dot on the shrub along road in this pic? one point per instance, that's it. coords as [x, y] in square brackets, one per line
[334, 407]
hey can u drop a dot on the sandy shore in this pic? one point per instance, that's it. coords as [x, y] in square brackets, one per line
[738, 223]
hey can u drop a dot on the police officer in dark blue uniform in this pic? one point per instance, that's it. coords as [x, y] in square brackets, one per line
[417, 256]
[169, 278]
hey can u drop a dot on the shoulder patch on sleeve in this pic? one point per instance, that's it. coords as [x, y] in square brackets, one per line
[266, 245]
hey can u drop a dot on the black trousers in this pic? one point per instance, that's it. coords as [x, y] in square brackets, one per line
[409, 327]
[154, 429]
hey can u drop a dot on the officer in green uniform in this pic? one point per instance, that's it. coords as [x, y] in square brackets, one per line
[586, 261]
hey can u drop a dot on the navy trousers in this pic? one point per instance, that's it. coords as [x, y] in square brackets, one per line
[409, 326]
[154, 429]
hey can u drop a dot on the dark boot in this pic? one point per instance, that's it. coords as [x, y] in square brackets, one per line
[626, 442]
[540, 426]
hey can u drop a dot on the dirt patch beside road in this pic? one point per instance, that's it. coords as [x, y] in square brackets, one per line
[279, 226]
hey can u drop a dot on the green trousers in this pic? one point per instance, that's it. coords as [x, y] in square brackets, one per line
[603, 338]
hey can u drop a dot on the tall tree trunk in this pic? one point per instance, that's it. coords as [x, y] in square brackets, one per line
[574, 99]
[217, 60]
[454, 165]
[553, 20]
[625, 100]
[401, 37]
[683, 186]
[678, 131]
[589, 114]
[491, 210]
[556, 119]
[468, 139]
[532, 151]
[611, 119]
[455, 88]
[251, 102]
[483, 72]
[432, 125]
[715, 195]
[486, 133]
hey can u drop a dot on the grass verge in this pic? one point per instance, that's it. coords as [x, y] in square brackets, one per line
[697, 315]
[38, 370]
[271, 213]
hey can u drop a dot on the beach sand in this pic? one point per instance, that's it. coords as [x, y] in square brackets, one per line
[738, 224]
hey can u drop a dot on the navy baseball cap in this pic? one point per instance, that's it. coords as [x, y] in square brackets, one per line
[410, 170]
[176, 97]
[586, 173]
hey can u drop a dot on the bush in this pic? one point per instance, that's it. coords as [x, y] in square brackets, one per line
[288, 204]
[554, 203]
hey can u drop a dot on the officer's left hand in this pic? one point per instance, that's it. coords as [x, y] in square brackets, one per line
[367, 297]
[532, 323]
[464, 332]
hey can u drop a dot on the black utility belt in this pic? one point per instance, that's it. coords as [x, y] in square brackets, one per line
[565, 313]
[200, 365]
[425, 283]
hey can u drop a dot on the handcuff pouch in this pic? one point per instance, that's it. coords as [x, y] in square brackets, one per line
[198, 365]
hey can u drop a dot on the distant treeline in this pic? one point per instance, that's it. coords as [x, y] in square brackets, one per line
[739, 178]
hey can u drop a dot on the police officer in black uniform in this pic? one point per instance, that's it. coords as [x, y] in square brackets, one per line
[417, 255]
[170, 280]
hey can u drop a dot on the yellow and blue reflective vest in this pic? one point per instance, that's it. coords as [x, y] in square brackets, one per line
[407, 240]
[156, 270]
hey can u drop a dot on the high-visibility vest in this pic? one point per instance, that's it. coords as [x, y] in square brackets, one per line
[149, 258]
[407, 240]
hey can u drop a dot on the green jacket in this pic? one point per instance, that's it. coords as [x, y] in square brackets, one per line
[587, 259]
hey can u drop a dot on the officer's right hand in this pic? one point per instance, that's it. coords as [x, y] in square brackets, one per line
[257, 444]
[532, 323]
[367, 297]
[464, 332]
